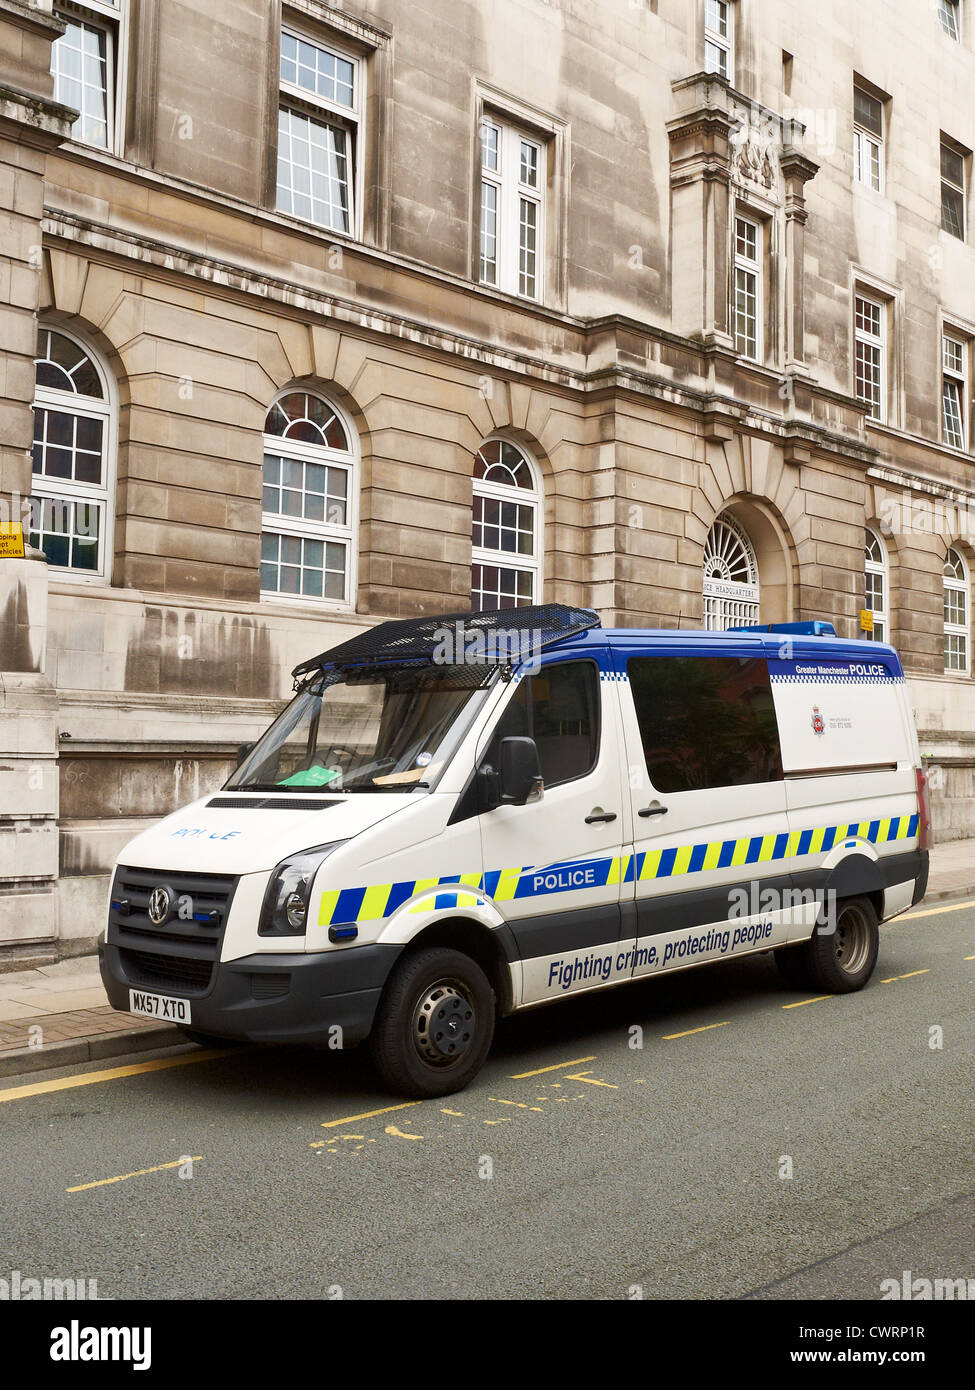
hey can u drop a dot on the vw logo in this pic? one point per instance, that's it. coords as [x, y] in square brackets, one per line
[160, 901]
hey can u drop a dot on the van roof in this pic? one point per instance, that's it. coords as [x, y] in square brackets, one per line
[697, 641]
[485, 640]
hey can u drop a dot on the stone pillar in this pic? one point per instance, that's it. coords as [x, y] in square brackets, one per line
[700, 192]
[797, 170]
[31, 123]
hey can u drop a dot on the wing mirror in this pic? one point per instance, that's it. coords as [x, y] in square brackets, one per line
[520, 772]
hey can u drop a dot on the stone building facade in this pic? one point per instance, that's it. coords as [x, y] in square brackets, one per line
[346, 312]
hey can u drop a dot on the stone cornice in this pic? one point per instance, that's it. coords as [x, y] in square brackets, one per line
[293, 297]
[38, 120]
[31, 18]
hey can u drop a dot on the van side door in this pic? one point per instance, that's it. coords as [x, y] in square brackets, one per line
[851, 778]
[710, 827]
[554, 867]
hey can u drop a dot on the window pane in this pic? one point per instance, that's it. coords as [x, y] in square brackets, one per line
[948, 15]
[868, 112]
[68, 446]
[716, 17]
[490, 147]
[527, 230]
[66, 531]
[63, 366]
[952, 211]
[79, 62]
[529, 164]
[705, 721]
[317, 70]
[496, 586]
[559, 709]
[952, 165]
[313, 170]
[868, 378]
[953, 355]
[715, 59]
[746, 239]
[953, 420]
[746, 312]
[489, 233]
[868, 316]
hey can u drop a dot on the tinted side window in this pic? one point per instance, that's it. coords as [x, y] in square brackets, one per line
[705, 721]
[559, 709]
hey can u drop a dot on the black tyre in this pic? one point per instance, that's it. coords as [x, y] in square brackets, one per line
[206, 1039]
[839, 961]
[434, 1025]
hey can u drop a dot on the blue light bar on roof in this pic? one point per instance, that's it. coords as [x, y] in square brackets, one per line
[813, 629]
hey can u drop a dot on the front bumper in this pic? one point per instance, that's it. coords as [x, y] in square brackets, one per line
[276, 997]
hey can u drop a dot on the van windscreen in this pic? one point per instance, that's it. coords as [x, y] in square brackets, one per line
[705, 721]
[361, 731]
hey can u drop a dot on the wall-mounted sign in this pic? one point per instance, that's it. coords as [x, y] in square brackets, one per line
[11, 540]
[866, 620]
[725, 588]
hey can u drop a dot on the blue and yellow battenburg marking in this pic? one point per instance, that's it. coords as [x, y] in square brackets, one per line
[504, 885]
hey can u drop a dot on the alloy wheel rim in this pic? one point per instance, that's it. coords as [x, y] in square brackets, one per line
[444, 1023]
[852, 944]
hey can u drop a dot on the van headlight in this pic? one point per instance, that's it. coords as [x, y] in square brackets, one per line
[285, 910]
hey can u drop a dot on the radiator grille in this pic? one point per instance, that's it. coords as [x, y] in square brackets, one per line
[180, 951]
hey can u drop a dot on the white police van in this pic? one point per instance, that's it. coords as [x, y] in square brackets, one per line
[465, 816]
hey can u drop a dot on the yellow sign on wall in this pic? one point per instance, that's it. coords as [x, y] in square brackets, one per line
[866, 620]
[11, 540]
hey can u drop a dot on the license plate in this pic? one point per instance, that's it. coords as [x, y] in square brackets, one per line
[159, 1006]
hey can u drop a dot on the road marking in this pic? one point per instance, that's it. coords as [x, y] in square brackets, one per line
[518, 1104]
[585, 1075]
[367, 1114]
[92, 1078]
[970, 957]
[935, 911]
[398, 1133]
[799, 1002]
[891, 979]
[576, 1062]
[139, 1173]
[668, 1037]
[451, 1112]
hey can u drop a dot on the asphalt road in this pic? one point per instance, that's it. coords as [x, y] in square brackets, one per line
[613, 1172]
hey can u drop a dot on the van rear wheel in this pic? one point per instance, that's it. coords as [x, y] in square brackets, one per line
[839, 961]
[434, 1025]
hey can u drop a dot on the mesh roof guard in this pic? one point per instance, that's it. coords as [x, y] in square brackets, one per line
[490, 639]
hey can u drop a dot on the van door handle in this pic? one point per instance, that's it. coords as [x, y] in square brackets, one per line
[595, 816]
[653, 811]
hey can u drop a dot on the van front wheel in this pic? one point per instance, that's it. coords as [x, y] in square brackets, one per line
[434, 1025]
[838, 961]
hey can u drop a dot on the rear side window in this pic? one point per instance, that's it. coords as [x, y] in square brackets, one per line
[559, 709]
[705, 721]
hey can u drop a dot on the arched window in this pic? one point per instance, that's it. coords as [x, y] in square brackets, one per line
[877, 585]
[506, 564]
[731, 591]
[73, 455]
[309, 500]
[956, 613]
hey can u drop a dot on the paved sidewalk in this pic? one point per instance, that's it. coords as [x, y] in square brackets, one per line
[66, 1002]
[952, 871]
[57, 1015]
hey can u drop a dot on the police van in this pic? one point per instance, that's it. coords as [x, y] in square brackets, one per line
[460, 817]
